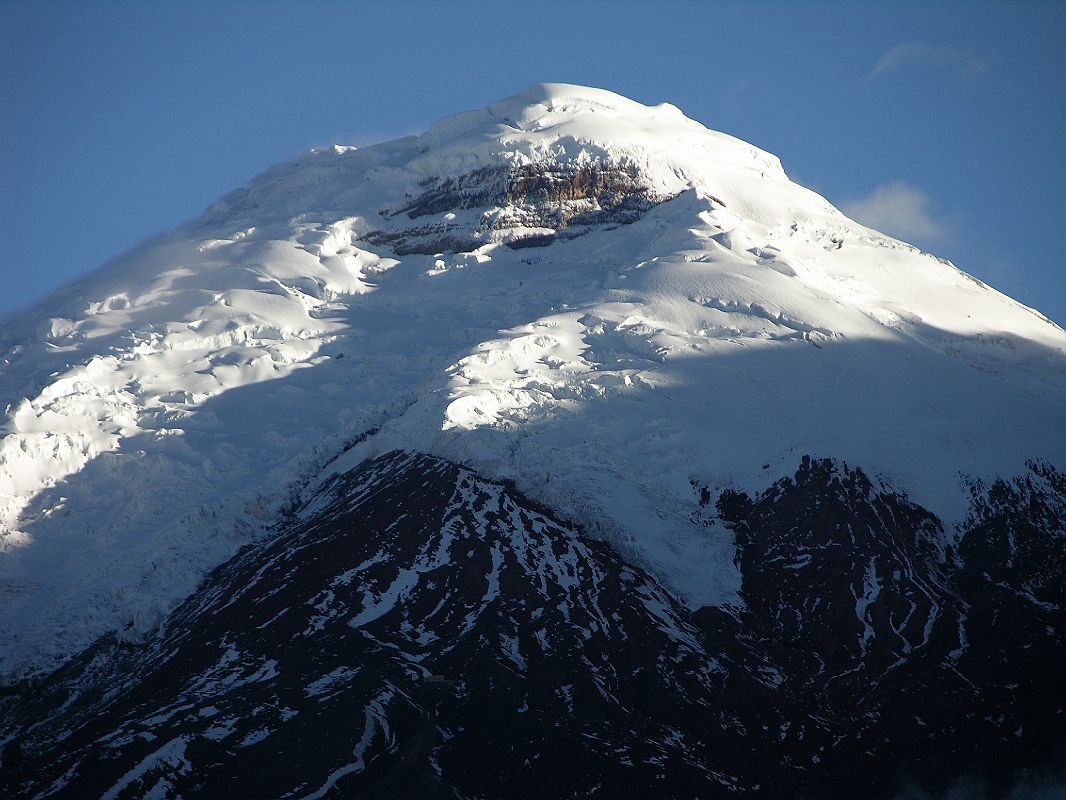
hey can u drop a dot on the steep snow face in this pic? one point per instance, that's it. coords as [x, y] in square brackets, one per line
[688, 314]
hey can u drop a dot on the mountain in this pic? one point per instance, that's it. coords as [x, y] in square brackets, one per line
[568, 447]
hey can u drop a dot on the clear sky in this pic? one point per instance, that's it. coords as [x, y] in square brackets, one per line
[940, 123]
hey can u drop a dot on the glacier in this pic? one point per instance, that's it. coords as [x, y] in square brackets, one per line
[601, 301]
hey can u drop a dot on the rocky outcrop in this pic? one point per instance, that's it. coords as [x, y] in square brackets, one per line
[427, 633]
[419, 631]
[522, 206]
[924, 664]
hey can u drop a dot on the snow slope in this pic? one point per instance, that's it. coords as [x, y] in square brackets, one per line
[166, 409]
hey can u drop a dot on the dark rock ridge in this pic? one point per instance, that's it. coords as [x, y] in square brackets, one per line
[923, 663]
[419, 631]
[522, 206]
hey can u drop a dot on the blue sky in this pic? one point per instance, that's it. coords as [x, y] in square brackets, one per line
[941, 123]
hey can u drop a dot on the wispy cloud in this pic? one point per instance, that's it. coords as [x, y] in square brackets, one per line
[967, 62]
[902, 211]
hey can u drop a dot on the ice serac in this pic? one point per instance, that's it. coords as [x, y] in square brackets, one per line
[601, 301]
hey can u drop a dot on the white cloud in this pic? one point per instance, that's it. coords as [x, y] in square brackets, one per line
[966, 61]
[902, 211]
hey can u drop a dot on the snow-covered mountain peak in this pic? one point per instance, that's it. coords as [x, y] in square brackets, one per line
[600, 300]
[564, 114]
[568, 97]
[547, 127]
[558, 109]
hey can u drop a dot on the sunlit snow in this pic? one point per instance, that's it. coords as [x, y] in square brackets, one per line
[163, 411]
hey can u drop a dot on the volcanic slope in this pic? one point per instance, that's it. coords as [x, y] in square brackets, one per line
[418, 631]
[601, 301]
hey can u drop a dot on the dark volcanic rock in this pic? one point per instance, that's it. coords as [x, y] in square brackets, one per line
[426, 634]
[1015, 536]
[546, 185]
[523, 206]
[921, 664]
[421, 632]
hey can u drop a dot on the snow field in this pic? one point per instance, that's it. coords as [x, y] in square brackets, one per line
[165, 410]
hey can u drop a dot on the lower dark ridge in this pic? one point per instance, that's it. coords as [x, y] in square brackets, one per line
[423, 632]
